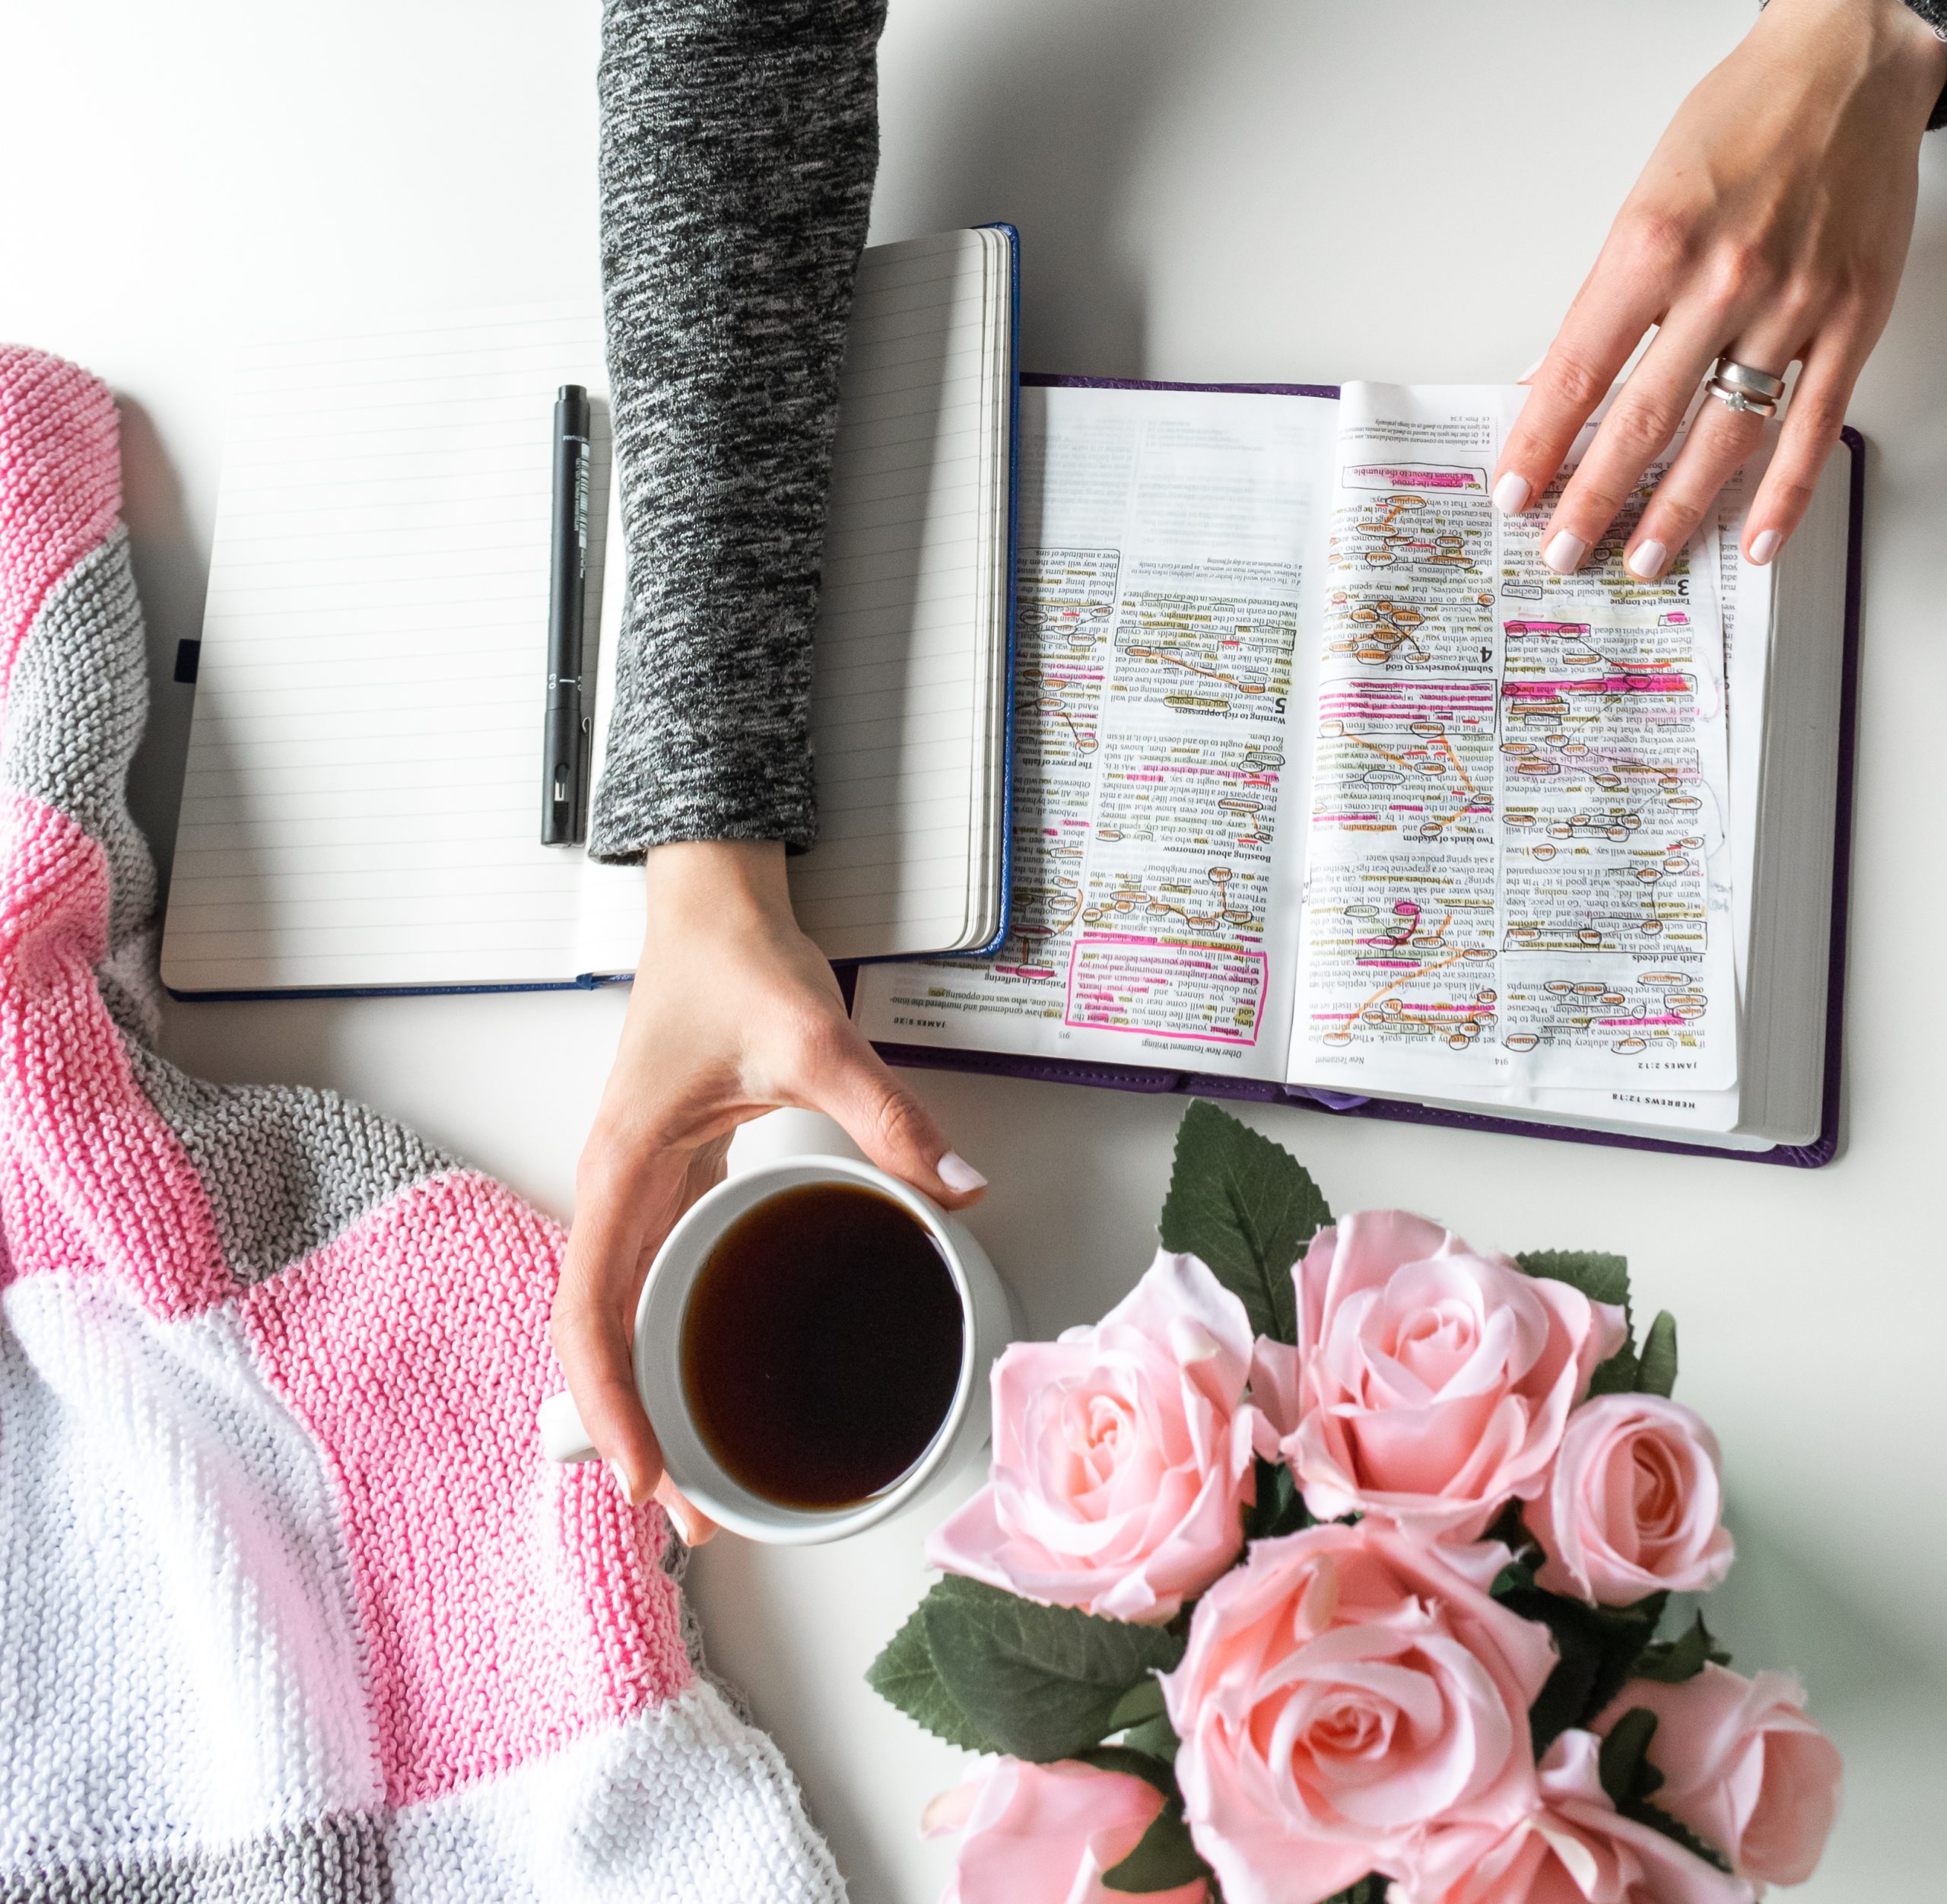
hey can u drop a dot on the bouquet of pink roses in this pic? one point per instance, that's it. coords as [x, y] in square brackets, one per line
[1330, 1565]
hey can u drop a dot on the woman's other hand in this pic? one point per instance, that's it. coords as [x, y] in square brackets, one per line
[733, 1013]
[1770, 227]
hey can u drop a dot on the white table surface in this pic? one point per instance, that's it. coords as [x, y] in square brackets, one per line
[1206, 189]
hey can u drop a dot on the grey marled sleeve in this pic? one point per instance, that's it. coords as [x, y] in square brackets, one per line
[739, 139]
[1934, 12]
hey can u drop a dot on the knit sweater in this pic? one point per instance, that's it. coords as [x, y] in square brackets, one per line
[739, 139]
[291, 1606]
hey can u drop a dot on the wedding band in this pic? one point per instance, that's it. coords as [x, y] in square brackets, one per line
[1740, 387]
[1758, 384]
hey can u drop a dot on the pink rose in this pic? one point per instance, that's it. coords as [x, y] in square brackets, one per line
[1122, 1455]
[1632, 1507]
[1429, 1385]
[1576, 1846]
[1343, 1691]
[1743, 1767]
[1044, 1834]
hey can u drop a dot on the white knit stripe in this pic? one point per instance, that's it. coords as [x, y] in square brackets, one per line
[682, 1804]
[182, 1668]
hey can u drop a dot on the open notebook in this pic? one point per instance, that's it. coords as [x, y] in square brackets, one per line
[1328, 789]
[361, 808]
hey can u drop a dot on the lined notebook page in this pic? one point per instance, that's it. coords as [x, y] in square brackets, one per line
[904, 683]
[362, 801]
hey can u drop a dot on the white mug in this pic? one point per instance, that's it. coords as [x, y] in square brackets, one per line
[988, 1322]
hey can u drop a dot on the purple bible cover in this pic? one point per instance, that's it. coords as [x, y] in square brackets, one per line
[1129, 1077]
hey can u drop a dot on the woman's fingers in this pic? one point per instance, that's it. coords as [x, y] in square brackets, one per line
[1813, 419]
[845, 1078]
[1719, 440]
[1641, 420]
[706, 1171]
[1621, 300]
[592, 1325]
[691, 1523]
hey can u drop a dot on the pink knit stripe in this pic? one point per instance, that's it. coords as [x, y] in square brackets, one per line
[509, 1605]
[60, 481]
[94, 1163]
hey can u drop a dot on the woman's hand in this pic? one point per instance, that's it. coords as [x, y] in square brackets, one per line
[1770, 227]
[734, 1012]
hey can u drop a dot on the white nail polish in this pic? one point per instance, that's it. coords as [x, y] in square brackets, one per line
[1511, 494]
[1646, 560]
[954, 1170]
[1764, 546]
[1528, 375]
[620, 1479]
[1564, 552]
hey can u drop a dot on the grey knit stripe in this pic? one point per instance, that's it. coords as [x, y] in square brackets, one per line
[75, 706]
[676, 1564]
[739, 139]
[334, 1860]
[286, 1168]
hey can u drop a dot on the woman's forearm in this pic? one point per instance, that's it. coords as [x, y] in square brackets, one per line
[739, 139]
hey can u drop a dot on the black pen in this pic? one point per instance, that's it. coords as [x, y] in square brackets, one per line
[564, 737]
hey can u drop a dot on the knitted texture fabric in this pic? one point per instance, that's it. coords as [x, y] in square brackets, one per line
[739, 138]
[290, 1605]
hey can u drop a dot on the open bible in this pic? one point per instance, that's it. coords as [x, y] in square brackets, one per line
[1326, 786]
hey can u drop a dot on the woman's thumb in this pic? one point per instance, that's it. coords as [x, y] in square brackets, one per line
[889, 1125]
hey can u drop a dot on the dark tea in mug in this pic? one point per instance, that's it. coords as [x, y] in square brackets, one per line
[822, 1346]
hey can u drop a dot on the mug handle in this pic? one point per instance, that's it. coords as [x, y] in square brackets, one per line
[563, 1437]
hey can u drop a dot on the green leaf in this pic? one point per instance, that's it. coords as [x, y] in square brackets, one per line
[1657, 1374]
[1142, 1701]
[1165, 1858]
[1617, 1376]
[1041, 1682]
[1136, 1763]
[1248, 1208]
[1658, 1820]
[1671, 1661]
[1516, 1577]
[903, 1675]
[1370, 1890]
[1602, 1278]
[1600, 1646]
[1627, 1775]
[1279, 1508]
[1157, 1736]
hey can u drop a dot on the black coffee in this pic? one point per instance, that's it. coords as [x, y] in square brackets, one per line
[822, 1346]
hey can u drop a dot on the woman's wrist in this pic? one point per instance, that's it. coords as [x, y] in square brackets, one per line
[1886, 36]
[1912, 43]
[736, 884]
